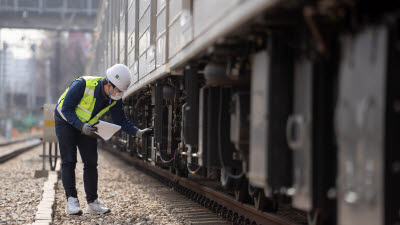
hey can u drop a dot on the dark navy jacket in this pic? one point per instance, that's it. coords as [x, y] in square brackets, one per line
[74, 96]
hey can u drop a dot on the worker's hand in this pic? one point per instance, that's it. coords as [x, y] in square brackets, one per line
[88, 129]
[140, 133]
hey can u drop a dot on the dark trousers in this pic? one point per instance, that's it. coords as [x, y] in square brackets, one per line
[69, 138]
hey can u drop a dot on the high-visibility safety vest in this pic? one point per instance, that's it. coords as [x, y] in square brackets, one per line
[85, 107]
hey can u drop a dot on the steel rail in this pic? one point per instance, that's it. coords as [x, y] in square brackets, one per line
[227, 201]
[4, 157]
[5, 143]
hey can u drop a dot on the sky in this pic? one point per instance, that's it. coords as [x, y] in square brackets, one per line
[20, 40]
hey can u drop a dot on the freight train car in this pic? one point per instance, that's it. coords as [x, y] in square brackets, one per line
[276, 102]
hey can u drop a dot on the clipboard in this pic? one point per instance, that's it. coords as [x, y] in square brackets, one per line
[105, 130]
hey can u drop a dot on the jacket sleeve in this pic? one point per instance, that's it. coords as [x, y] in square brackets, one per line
[71, 100]
[119, 118]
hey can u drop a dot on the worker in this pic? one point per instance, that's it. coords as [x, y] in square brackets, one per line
[78, 109]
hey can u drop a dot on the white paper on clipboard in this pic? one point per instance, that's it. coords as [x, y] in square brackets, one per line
[106, 130]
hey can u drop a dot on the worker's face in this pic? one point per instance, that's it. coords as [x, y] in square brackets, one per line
[113, 93]
[109, 88]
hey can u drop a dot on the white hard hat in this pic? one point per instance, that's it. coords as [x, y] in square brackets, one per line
[120, 76]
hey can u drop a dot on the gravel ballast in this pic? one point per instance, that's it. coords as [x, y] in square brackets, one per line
[20, 192]
[131, 195]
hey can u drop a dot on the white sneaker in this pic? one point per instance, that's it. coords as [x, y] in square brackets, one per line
[73, 207]
[95, 208]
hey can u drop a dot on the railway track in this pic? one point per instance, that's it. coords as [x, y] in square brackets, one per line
[15, 141]
[220, 203]
[11, 149]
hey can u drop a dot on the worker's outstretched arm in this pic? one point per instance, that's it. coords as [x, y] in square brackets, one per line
[71, 100]
[119, 118]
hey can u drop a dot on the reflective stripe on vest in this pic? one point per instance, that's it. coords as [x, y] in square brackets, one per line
[89, 91]
[85, 107]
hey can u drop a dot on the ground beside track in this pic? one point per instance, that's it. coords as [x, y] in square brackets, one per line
[20, 192]
[132, 196]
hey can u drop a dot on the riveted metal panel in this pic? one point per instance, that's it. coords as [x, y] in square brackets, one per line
[161, 4]
[123, 35]
[144, 42]
[143, 6]
[160, 33]
[131, 18]
[175, 8]
[180, 31]
[142, 66]
[116, 23]
[122, 7]
[135, 72]
[207, 12]
[161, 22]
[175, 38]
[122, 56]
[150, 58]
[161, 51]
[144, 22]
[131, 58]
[147, 23]
[132, 26]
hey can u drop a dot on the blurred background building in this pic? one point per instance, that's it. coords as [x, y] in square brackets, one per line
[44, 45]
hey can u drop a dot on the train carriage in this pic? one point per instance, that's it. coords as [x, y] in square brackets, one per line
[278, 103]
